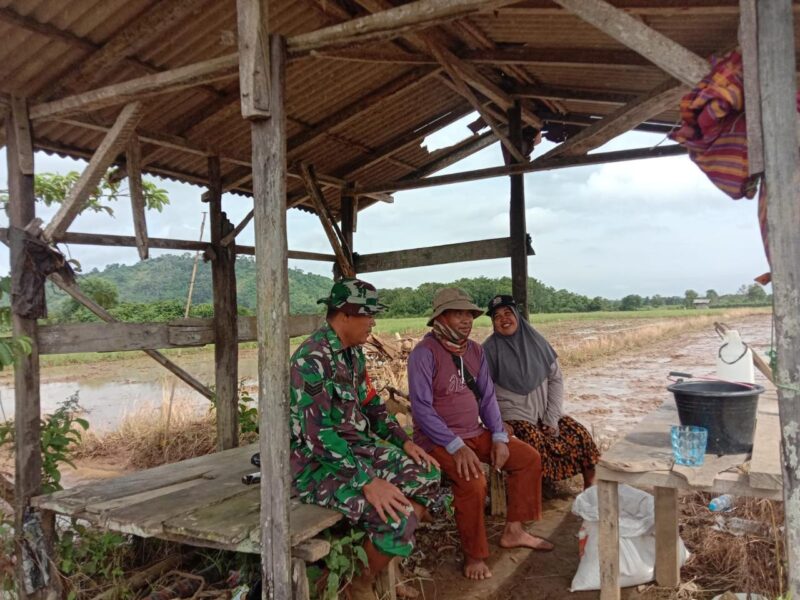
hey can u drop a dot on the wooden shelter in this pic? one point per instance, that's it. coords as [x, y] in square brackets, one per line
[320, 105]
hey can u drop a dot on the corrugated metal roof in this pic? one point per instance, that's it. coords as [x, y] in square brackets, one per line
[46, 41]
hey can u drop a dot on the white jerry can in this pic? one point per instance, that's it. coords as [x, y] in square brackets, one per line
[735, 359]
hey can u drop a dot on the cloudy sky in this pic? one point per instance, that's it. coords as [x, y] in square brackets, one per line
[641, 227]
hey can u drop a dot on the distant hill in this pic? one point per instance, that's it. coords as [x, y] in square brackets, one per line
[167, 278]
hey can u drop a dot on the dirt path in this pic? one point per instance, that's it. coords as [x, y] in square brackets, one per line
[609, 397]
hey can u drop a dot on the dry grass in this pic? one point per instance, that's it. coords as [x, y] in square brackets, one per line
[142, 440]
[575, 350]
[720, 561]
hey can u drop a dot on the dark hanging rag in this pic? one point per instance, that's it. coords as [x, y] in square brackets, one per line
[32, 264]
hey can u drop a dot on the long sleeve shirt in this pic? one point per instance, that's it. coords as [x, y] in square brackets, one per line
[336, 416]
[445, 410]
[545, 403]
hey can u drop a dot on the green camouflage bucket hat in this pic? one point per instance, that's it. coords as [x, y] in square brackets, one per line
[354, 297]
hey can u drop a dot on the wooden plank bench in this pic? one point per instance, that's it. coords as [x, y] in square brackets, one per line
[201, 502]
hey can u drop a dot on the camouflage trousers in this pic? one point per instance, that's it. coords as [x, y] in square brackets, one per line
[327, 487]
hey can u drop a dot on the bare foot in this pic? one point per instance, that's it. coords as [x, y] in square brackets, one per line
[476, 569]
[515, 536]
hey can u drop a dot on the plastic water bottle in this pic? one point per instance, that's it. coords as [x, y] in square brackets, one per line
[721, 503]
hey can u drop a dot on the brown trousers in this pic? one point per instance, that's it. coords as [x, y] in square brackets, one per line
[524, 489]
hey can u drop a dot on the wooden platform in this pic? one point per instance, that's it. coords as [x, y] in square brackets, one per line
[644, 458]
[201, 502]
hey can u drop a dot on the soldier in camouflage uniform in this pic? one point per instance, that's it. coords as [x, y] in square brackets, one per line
[347, 452]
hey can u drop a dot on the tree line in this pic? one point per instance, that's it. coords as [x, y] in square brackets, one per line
[155, 290]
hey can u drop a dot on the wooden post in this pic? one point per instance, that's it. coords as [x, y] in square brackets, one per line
[668, 563]
[608, 538]
[21, 209]
[272, 284]
[776, 63]
[347, 218]
[226, 346]
[133, 162]
[518, 229]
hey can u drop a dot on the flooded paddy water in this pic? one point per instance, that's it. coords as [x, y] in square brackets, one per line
[608, 394]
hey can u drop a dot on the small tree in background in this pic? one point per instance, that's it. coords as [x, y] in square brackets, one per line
[689, 298]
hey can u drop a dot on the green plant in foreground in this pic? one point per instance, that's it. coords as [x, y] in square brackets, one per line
[59, 431]
[247, 409]
[345, 561]
[6, 554]
[11, 348]
[85, 553]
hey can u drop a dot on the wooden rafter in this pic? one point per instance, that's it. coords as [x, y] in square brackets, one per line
[344, 115]
[344, 257]
[665, 95]
[544, 92]
[135, 36]
[390, 23]
[414, 134]
[136, 89]
[670, 56]
[133, 160]
[540, 164]
[113, 143]
[229, 237]
[470, 97]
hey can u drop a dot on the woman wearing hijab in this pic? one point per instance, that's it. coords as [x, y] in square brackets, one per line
[530, 393]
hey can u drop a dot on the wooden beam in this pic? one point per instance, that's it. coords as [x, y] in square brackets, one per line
[254, 86]
[99, 239]
[182, 333]
[526, 57]
[777, 80]
[480, 82]
[682, 64]
[133, 160]
[414, 134]
[434, 255]
[665, 95]
[343, 255]
[153, 24]
[518, 231]
[111, 146]
[643, 8]
[389, 23]
[557, 162]
[544, 92]
[748, 41]
[75, 292]
[447, 157]
[223, 280]
[27, 402]
[272, 286]
[137, 89]
[229, 237]
[445, 59]
[388, 90]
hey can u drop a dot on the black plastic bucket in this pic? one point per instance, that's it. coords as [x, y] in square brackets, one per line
[727, 410]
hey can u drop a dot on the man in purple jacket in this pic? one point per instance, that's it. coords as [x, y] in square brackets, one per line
[457, 420]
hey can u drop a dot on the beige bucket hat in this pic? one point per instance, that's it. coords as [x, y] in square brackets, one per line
[451, 298]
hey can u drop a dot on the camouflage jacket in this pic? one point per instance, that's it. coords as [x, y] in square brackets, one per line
[337, 418]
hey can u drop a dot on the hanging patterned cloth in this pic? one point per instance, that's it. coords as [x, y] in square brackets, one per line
[714, 131]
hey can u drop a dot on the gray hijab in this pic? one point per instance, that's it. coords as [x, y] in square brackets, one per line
[519, 362]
